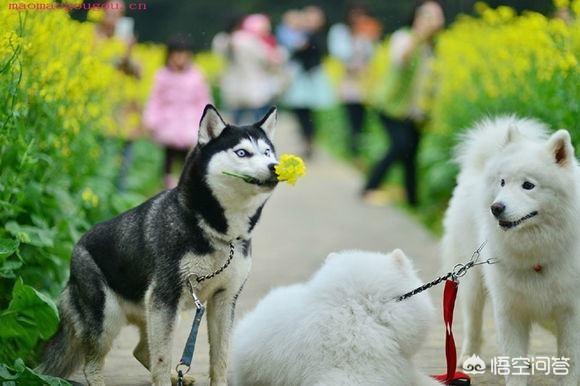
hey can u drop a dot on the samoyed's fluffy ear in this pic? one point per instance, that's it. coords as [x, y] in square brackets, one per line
[560, 146]
[331, 256]
[401, 260]
[513, 134]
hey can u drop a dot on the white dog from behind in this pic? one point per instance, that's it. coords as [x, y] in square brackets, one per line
[342, 327]
[519, 189]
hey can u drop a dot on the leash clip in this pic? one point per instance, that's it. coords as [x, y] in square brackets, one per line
[196, 301]
[459, 270]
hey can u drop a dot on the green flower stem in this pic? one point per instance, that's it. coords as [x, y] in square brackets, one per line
[246, 178]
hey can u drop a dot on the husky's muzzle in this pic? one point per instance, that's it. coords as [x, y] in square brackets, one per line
[272, 181]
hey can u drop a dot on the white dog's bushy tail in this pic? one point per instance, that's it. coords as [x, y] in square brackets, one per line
[489, 135]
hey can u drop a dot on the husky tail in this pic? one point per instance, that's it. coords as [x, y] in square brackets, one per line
[62, 354]
[489, 135]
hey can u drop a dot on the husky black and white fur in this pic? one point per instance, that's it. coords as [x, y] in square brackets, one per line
[133, 268]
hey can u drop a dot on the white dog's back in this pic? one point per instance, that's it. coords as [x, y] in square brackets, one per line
[340, 328]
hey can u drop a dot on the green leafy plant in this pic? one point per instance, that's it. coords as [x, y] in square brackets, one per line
[60, 158]
[19, 374]
[30, 316]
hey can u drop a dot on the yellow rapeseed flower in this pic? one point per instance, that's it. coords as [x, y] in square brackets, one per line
[90, 197]
[576, 7]
[502, 56]
[290, 168]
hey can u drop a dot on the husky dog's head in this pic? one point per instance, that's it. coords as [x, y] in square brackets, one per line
[243, 150]
[532, 183]
[227, 204]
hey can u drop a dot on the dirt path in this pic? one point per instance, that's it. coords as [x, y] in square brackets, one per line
[299, 227]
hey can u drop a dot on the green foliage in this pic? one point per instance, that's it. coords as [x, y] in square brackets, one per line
[19, 374]
[30, 316]
[58, 169]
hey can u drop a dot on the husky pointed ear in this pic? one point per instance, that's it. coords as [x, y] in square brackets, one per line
[268, 123]
[560, 146]
[211, 125]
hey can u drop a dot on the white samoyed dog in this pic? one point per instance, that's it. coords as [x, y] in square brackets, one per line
[518, 188]
[342, 327]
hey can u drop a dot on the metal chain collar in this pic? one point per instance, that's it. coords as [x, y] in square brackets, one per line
[459, 270]
[199, 279]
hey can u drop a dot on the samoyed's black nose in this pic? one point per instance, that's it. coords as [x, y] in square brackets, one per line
[497, 208]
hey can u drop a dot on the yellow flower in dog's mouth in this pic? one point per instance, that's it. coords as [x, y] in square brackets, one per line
[290, 168]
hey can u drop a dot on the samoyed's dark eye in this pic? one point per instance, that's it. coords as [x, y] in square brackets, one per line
[267, 152]
[527, 185]
[502, 182]
[242, 153]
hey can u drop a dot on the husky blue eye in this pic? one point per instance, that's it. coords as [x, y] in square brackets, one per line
[527, 185]
[241, 153]
[502, 183]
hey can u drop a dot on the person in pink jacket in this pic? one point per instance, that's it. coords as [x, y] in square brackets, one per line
[175, 105]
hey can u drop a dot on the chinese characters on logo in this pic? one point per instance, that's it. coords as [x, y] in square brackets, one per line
[504, 365]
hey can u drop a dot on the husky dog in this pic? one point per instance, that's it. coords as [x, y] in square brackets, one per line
[342, 327]
[519, 189]
[133, 268]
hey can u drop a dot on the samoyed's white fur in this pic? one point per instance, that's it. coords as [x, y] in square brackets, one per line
[532, 179]
[342, 327]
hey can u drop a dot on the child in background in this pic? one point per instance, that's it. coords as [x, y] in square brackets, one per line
[175, 105]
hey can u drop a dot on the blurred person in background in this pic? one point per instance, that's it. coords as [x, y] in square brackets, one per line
[291, 33]
[401, 112]
[221, 46]
[251, 80]
[175, 105]
[309, 87]
[114, 25]
[353, 43]
[221, 42]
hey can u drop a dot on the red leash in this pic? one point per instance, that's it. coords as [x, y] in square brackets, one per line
[452, 377]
